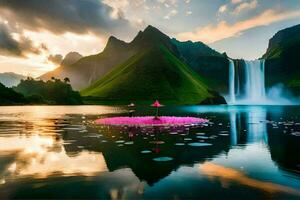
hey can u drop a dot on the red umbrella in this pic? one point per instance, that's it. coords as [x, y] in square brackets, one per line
[156, 104]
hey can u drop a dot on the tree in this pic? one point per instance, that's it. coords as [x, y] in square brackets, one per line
[66, 80]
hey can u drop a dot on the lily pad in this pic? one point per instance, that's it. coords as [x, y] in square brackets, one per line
[179, 144]
[146, 151]
[223, 134]
[296, 133]
[199, 144]
[162, 159]
[202, 137]
[129, 143]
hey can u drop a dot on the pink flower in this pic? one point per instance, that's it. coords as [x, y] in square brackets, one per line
[149, 120]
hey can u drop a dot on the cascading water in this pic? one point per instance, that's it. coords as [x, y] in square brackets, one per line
[231, 82]
[255, 81]
[253, 91]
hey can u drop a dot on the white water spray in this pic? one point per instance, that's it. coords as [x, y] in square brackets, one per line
[255, 81]
[231, 81]
[254, 91]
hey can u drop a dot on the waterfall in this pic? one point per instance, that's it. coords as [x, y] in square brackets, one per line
[231, 82]
[253, 91]
[255, 80]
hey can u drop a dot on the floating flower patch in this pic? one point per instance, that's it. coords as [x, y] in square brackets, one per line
[150, 121]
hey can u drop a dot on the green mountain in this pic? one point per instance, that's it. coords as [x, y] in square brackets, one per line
[282, 59]
[154, 72]
[88, 69]
[206, 62]
[9, 97]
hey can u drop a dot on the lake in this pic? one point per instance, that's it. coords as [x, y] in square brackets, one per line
[249, 152]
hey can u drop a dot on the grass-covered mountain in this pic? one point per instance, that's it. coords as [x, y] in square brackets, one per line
[282, 59]
[156, 70]
[153, 73]
[197, 56]
[88, 69]
[10, 79]
[205, 61]
[9, 97]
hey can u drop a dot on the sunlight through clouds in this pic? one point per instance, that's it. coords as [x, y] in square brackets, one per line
[212, 33]
[54, 28]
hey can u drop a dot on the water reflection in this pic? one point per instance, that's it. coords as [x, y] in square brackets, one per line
[226, 174]
[254, 125]
[42, 156]
[251, 152]
[257, 128]
[233, 128]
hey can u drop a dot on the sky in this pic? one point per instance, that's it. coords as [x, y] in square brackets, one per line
[35, 35]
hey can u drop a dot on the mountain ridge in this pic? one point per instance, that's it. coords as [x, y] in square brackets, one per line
[115, 52]
[10, 79]
[282, 59]
[155, 73]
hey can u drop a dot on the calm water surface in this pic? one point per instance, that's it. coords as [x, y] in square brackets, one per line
[249, 152]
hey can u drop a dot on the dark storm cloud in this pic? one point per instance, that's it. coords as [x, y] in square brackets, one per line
[56, 59]
[21, 47]
[59, 16]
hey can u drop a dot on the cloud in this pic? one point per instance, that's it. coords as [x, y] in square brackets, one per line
[245, 6]
[236, 1]
[77, 16]
[172, 13]
[222, 8]
[55, 59]
[169, 2]
[222, 30]
[188, 13]
[17, 44]
[118, 7]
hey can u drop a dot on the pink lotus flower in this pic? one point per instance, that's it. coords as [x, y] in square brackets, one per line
[150, 120]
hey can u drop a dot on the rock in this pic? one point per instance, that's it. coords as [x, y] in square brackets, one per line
[217, 99]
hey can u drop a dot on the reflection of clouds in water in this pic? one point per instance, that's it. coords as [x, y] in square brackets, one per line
[226, 175]
[27, 112]
[42, 156]
[25, 144]
[122, 184]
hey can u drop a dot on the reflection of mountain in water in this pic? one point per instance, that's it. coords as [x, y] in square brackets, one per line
[284, 149]
[142, 165]
[283, 146]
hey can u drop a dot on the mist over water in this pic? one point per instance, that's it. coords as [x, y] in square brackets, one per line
[253, 90]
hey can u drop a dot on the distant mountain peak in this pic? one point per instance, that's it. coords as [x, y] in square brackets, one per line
[150, 35]
[114, 43]
[150, 28]
[10, 79]
[71, 58]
